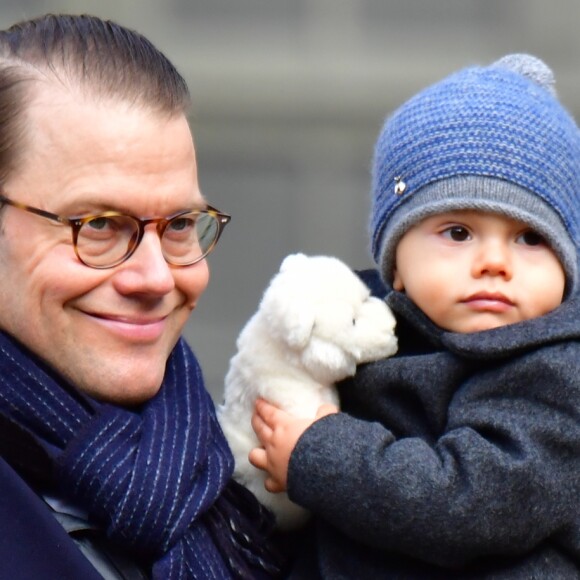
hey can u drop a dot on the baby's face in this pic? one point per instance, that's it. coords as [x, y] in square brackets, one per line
[470, 271]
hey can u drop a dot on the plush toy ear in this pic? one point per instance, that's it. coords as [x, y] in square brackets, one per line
[290, 319]
[293, 261]
[327, 361]
[286, 304]
[297, 326]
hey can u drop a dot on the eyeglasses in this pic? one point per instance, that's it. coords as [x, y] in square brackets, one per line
[107, 239]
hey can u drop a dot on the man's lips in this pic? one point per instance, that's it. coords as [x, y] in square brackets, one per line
[488, 302]
[134, 328]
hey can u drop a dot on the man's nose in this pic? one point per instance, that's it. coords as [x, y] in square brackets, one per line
[146, 271]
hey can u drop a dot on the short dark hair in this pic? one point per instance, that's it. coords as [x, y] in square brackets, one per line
[100, 57]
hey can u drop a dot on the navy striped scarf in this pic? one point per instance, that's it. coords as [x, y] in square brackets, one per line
[157, 479]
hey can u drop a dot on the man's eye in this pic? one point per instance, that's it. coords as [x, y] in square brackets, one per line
[457, 233]
[99, 223]
[531, 238]
[181, 224]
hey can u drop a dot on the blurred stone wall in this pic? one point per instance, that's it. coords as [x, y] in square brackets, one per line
[289, 96]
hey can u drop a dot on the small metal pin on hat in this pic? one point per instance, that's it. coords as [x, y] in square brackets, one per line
[400, 185]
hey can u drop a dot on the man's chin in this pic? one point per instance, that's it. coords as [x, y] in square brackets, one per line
[122, 384]
[124, 394]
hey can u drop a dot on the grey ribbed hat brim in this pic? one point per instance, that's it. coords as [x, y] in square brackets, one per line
[487, 195]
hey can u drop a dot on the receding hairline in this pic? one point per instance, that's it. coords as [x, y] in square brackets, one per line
[99, 56]
[90, 59]
[37, 82]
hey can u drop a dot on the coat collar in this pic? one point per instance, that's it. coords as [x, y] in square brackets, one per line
[562, 324]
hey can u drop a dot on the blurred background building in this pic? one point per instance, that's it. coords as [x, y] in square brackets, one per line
[289, 96]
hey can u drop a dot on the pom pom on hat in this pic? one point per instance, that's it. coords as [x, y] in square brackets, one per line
[530, 67]
[494, 139]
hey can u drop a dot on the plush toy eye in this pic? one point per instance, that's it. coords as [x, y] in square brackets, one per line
[354, 321]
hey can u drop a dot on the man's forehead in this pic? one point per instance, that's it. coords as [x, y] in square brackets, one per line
[85, 157]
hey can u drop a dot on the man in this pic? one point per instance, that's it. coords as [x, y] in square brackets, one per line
[105, 427]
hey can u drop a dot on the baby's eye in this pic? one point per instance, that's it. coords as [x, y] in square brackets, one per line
[531, 238]
[456, 233]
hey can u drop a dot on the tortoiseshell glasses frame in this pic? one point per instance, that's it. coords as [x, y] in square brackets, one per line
[107, 239]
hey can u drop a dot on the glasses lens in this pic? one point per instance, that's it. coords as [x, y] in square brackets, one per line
[106, 239]
[189, 237]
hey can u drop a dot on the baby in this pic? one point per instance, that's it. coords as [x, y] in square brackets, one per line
[460, 456]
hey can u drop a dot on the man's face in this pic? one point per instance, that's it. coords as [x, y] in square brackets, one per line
[470, 271]
[109, 332]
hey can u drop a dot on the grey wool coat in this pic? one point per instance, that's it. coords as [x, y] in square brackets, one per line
[457, 458]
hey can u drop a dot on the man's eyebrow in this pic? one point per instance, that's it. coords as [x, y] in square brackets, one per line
[200, 205]
[88, 207]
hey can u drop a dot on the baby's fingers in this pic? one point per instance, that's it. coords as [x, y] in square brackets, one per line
[326, 409]
[269, 413]
[262, 430]
[258, 458]
[273, 486]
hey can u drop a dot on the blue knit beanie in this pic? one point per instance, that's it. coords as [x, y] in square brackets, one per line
[494, 139]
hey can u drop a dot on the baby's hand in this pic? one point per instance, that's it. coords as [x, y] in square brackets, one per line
[278, 432]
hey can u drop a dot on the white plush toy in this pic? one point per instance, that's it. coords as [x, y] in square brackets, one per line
[316, 322]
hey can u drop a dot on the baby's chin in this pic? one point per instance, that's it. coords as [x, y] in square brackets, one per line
[478, 325]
